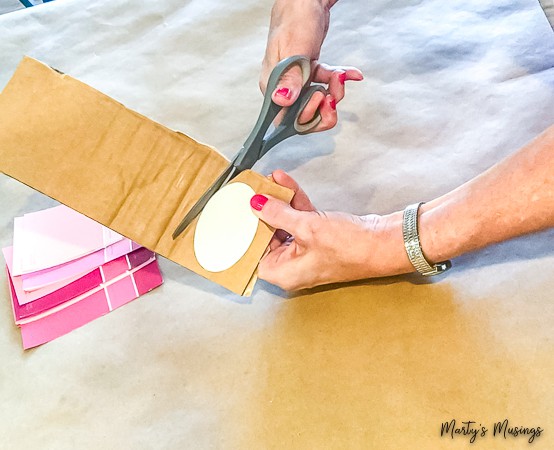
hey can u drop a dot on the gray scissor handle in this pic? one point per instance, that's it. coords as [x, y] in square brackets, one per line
[255, 147]
[290, 126]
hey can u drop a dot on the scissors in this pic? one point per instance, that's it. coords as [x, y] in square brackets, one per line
[259, 142]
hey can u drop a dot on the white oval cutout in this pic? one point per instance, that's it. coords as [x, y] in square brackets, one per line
[226, 228]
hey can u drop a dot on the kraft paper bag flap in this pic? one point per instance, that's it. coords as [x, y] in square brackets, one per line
[127, 172]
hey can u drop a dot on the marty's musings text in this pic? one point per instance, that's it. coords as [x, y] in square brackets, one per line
[503, 429]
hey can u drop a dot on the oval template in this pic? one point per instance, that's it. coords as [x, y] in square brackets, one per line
[226, 228]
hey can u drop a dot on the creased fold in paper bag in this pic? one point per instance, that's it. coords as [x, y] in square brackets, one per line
[135, 176]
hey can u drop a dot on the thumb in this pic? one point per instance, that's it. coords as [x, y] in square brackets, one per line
[276, 213]
[289, 87]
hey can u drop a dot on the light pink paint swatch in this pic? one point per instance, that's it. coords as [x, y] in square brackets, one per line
[64, 273]
[55, 236]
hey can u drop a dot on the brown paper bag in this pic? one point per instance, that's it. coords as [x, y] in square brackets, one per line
[135, 176]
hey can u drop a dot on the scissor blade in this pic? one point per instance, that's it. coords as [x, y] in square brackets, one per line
[199, 205]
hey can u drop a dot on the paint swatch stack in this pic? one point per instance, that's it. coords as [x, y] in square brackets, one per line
[66, 270]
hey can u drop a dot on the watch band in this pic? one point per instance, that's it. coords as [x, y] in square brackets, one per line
[413, 246]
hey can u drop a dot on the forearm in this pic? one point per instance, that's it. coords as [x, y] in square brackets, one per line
[513, 198]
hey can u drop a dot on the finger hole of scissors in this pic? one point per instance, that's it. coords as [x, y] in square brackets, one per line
[309, 117]
[328, 117]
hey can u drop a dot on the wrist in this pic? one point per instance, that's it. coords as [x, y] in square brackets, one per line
[302, 10]
[297, 28]
[387, 254]
[328, 4]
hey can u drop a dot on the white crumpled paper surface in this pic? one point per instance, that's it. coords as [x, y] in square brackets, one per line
[450, 88]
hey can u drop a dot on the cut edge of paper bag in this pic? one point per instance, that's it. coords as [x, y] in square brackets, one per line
[116, 166]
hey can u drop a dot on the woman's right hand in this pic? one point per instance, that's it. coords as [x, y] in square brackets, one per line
[298, 27]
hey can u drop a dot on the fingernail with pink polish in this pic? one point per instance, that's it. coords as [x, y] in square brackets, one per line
[342, 77]
[333, 103]
[258, 201]
[283, 92]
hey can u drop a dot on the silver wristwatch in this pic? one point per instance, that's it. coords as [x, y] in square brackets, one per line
[413, 246]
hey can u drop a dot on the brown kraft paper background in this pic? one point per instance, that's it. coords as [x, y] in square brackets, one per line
[450, 88]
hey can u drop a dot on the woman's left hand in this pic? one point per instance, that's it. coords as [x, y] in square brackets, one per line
[313, 247]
